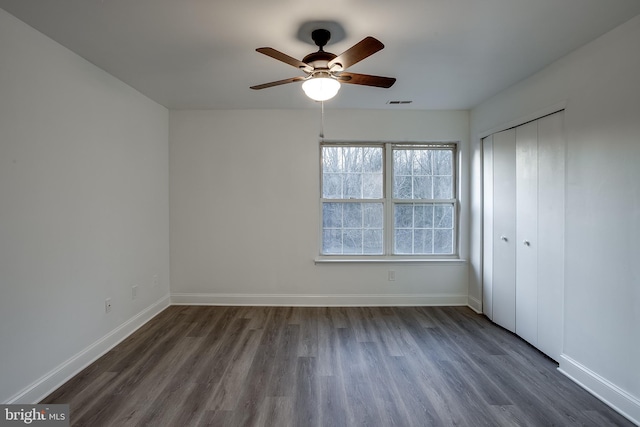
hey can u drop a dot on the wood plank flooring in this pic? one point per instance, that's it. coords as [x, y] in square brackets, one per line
[311, 366]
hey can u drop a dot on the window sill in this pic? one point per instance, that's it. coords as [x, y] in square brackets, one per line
[389, 260]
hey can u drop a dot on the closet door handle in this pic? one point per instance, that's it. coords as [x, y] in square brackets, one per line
[504, 238]
[527, 243]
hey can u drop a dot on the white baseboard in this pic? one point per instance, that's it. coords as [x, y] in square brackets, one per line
[474, 304]
[618, 399]
[317, 300]
[46, 384]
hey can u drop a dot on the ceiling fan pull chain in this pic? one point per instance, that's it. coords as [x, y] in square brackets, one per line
[321, 120]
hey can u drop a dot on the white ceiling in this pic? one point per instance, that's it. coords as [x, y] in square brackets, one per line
[199, 54]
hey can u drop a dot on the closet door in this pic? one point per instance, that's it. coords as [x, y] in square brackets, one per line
[487, 226]
[551, 187]
[504, 229]
[527, 232]
[524, 186]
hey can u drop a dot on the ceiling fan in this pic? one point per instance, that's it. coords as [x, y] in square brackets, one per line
[325, 71]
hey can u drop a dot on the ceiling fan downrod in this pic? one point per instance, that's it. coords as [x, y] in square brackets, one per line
[321, 37]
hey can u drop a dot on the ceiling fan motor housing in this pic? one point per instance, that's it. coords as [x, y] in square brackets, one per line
[319, 60]
[321, 37]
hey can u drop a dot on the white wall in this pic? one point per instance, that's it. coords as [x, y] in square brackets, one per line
[83, 211]
[600, 84]
[244, 192]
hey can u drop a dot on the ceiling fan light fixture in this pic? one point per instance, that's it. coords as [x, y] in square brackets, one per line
[325, 71]
[321, 88]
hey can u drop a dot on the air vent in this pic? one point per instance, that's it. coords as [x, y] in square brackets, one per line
[399, 102]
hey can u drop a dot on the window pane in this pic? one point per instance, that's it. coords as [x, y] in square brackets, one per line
[352, 241]
[442, 187]
[372, 215]
[331, 241]
[423, 228]
[422, 173]
[423, 241]
[402, 187]
[402, 162]
[352, 186]
[443, 169]
[332, 215]
[372, 159]
[423, 216]
[443, 215]
[352, 228]
[403, 217]
[332, 185]
[372, 241]
[423, 162]
[403, 241]
[352, 215]
[331, 159]
[352, 172]
[422, 187]
[352, 159]
[443, 241]
[443, 162]
[371, 186]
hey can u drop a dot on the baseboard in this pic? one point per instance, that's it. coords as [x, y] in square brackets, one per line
[618, 399]
[317, 300]
[474, 304]
[46, 384]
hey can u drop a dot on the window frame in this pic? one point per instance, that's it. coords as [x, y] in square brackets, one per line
[389, 202]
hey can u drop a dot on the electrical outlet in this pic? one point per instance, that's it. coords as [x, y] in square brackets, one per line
[134, 291]
[156, 281]
[107, 305]
[392, 275]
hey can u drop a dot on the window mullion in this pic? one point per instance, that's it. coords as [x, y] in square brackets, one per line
[388, 198]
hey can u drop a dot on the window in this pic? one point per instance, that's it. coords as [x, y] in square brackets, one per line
[388, 199]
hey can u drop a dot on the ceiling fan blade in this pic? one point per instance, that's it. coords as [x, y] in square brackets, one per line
[276, 54]
[356, 53]
[278, 83]
[366, 80]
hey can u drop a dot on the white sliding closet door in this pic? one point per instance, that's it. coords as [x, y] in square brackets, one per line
[551, 185]
[527, 232]
[487, 226]
[523, 275]
[504, 229]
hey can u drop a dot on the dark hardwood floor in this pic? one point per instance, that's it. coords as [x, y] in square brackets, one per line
[298, 366]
